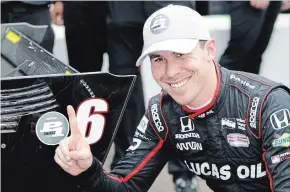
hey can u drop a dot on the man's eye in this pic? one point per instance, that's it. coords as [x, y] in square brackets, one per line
[178, 55]
[158, 59]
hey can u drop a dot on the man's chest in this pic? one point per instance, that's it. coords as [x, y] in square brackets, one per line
[219, 147]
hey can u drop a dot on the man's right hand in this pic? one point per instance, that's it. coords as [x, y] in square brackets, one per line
[73, 153]
[56, 13]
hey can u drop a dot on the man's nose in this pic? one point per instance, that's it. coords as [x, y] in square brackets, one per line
[172, 69]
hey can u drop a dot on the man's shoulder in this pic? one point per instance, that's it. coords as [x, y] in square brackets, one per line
[251, 84]
[276, 109]
[278, 97]
[263, 97]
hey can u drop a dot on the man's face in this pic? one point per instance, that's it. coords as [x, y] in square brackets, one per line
[183, 77]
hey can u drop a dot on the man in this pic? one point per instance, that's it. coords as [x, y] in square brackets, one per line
[115, 27]
[230, 128]
[32, 12]
[252, 24]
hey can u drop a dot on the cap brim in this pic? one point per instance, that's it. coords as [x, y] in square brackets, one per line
[182, 46]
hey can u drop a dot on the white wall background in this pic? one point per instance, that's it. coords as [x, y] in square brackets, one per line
[276, 59]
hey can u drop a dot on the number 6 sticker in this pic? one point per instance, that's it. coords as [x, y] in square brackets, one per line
[90, 119]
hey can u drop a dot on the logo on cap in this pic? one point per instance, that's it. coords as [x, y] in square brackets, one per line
[159, 24]
[51, 128]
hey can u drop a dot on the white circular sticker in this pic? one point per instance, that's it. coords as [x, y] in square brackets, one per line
[159, 24]
[51, 128]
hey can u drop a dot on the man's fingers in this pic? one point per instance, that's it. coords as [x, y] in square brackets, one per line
[79, 155]
[64, 148]
[73, 121]
[60, 163]
[62, 158]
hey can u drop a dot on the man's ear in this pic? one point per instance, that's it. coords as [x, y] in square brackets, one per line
[210, 47]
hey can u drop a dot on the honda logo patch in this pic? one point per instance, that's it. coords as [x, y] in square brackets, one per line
[186, 124]
[280, 119]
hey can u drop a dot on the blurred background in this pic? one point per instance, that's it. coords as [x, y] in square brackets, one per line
[276, 59]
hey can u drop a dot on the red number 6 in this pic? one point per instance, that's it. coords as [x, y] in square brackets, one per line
[90, 119]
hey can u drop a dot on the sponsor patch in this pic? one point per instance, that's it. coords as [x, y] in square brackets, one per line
[275, 159]
[232, 123]
[241, 124]
[203, 115]
[187, 135]
[137, 134]
[253, 112]
[186, 124]
[187, 128]
[156, 118]
[283, 141]
[143, 124]
[238, 140]
[228, 123]
[189, 146]
[225, 172]
[241, 81]
[280, 119]
[280, 157]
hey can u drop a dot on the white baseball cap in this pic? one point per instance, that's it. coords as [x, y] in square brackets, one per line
[173, 28]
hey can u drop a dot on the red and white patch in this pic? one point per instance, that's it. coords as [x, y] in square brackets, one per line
[281, 157]
[275, 159]
[238, 140]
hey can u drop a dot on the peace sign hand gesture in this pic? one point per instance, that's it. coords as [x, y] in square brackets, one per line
[73, 153]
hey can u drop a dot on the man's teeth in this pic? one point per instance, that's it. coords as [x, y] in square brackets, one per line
[180, 84]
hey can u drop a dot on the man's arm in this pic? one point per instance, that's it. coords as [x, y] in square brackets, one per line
[276, 139]
[138, 168]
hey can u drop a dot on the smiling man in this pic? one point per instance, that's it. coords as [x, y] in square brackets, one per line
[231, 128]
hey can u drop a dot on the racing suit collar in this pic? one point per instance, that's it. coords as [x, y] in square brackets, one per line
[216, 100]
